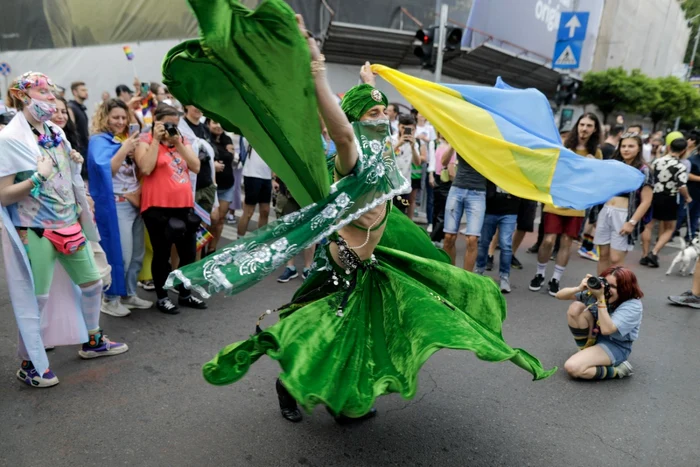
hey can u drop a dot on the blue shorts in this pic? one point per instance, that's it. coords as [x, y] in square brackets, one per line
[617, 352]
[463, 201]
[226, 195]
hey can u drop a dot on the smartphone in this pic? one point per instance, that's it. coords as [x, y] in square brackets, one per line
[145, 88]
[407, 130]
[134, 128]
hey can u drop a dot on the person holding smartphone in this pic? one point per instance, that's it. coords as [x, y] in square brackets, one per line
[165, 159]
[116, 190]
[409, 154]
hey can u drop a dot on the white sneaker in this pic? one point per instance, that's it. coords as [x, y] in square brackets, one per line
[430, 228]
[136, 302]
[114, 308]
[624, 369]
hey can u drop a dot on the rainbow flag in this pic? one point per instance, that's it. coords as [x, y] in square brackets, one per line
[203, 237]
[129, 54]
[509, 136]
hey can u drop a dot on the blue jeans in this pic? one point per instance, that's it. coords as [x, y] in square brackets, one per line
[463, 201]
[506, 226]
[131, 235]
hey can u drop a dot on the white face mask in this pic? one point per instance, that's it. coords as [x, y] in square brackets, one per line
[41, 110]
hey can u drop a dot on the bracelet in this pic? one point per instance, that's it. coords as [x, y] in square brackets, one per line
[36, 181]
[318, 65]
[632, 221]
[40, 177]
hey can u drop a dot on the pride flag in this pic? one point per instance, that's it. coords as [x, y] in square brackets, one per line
[129, 54]
[509, 136]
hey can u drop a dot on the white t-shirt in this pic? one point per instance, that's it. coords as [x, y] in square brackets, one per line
[404, 157]
[426, 129]
[256, 167]
[646, 153]
[125, 181]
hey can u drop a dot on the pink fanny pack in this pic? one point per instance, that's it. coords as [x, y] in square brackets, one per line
[67, 240]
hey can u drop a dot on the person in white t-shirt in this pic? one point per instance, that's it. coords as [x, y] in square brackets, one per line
[409, 157]
[258, 184]
[392, 111]
[424, 130]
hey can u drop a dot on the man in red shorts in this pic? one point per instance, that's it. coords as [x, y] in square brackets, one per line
[583, 140]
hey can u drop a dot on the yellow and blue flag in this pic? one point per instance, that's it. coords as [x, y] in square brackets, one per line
[509, 136]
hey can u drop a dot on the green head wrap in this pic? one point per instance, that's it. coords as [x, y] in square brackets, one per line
[360, 99]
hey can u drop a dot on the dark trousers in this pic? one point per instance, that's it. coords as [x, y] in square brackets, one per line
[429, 202]
[691, 211]
[163, 237]
[439, 201]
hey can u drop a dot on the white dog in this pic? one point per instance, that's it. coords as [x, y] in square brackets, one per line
[686, 257]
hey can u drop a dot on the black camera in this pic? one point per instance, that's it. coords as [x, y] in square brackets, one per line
[597, 283]
[171, 129]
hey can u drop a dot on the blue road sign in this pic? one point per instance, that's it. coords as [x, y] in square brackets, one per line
[572, 26]
[567, 54]
[570, 37]
[5, 69]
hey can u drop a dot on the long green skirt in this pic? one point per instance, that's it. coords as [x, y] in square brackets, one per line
[398, 310]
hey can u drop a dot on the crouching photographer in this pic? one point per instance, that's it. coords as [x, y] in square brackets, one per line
[604, 319]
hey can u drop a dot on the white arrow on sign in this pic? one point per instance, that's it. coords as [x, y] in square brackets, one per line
[572, 24]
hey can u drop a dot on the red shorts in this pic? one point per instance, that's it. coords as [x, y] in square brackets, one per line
[567, 225]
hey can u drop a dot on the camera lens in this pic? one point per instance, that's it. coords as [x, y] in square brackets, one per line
[594, 283]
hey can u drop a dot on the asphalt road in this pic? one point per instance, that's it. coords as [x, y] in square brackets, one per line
[151, 407]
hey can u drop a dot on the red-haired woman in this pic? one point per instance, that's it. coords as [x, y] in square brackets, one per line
[605, 321]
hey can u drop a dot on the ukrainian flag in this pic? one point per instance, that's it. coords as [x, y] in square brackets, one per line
[509, 136]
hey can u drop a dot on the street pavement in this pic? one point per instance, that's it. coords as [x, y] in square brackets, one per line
[151, 407]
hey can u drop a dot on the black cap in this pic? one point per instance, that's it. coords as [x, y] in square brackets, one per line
[123, 88]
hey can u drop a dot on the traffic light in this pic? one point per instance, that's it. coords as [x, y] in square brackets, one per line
[453, 39]
[424, 51]
[427, 38]
[567, 88]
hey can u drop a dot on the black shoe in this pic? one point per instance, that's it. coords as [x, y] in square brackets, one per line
[553, 287]
[166, 306]
[489, 263]
[288, 406]
[536, 282]
[554, 255]
[192, 302]
[644, 261]
[653, 260]
[533, 249]
[515, 264]
[345, 420]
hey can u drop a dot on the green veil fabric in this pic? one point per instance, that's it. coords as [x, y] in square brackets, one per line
[265, 93]
[250, 71]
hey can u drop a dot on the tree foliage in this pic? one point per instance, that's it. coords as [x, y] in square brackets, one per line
[608, 90]
[662, 99]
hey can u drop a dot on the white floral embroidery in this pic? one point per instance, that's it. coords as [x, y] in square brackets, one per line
[343, 200]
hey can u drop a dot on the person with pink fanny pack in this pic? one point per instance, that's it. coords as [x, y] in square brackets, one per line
[56, 286]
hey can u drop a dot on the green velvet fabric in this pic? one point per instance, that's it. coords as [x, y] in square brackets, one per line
[402, 310]
[234, 75]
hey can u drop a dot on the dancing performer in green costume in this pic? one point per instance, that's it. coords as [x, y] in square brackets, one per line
[381, 298]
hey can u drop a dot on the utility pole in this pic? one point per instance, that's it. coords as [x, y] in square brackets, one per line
[441, 42]
[692, 57]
